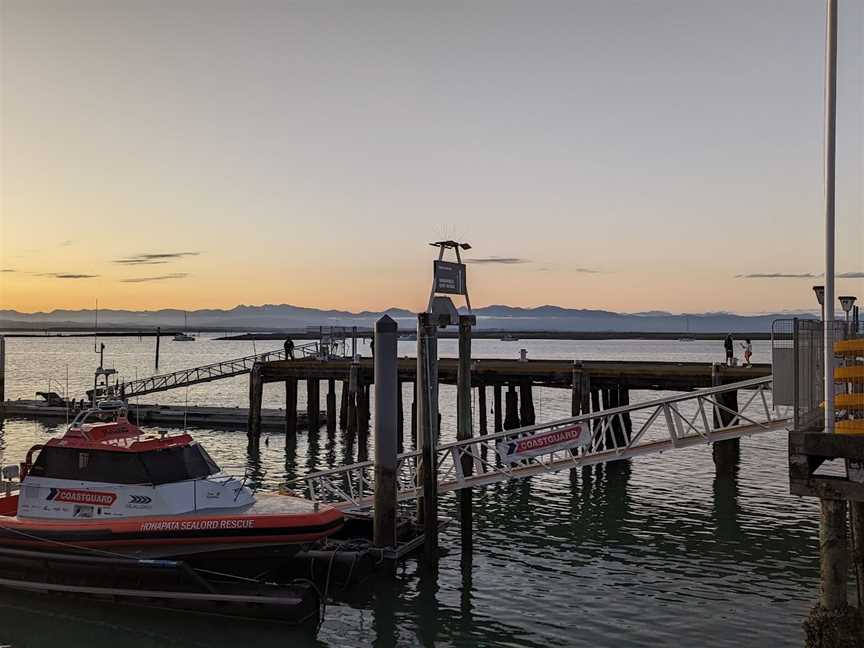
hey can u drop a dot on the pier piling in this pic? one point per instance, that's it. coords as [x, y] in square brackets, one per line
[511, 404]
[482, 409]
[726, 453]
[331, 406]
[464, 425]
[833, 622]
[386, 414]
[353, 387]
[256, 393]
[158, 338]
[290, 408]
[496, 403]
[427, 424]
[576, 389]
[526, 406]
[343, 406]
[313, 404]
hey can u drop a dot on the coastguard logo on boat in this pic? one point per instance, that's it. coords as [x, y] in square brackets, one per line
[571, 436]
[81, 496]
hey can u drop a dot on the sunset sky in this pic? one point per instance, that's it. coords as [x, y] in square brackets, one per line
[596, 154]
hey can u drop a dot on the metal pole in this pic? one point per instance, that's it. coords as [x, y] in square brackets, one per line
[830, 150]
[386, 415]
[427, 431]
[464, 424]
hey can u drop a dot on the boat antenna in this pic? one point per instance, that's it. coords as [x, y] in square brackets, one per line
[96, 328]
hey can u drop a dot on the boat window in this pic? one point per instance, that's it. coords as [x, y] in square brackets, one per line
[90, 465]
[178, 464]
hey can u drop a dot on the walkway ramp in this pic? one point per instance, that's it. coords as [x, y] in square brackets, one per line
[658, 426]
[202, 374]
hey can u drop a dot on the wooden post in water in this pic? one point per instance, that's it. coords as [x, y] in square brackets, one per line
[496, 403]
[511, 415]
[313, 404]
[585, 379]
[158, 337]
[834, 554]
[465, 426]
[726, 453]
[353, 388]
[576, 389]
[256, 394]
[482, 408]
[386, 442]
[290, 408]
[427, 432]
[526, 406]
[363, 411]
[343, 406]
[331, 406]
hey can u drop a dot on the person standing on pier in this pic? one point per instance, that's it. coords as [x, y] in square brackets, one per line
[729, 345]
[748, 352]
[289, 348]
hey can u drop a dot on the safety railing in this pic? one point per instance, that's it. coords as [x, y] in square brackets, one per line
[697, 418]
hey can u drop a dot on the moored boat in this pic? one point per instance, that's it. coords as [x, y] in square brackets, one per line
[105, 484]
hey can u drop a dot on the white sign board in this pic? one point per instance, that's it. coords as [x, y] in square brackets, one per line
[570, 436]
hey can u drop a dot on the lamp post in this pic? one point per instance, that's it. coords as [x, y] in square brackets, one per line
[820, 297]
[846, 303]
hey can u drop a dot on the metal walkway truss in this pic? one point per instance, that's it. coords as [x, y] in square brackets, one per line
[658, 426]
[204, 373]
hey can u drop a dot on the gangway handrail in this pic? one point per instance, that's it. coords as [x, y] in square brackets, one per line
[351, 486]
[203, 373]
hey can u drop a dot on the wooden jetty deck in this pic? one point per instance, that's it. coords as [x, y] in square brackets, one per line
[672, 376]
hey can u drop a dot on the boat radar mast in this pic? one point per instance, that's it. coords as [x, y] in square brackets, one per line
[449, 278]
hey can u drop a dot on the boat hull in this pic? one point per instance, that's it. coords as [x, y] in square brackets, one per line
[262, 525]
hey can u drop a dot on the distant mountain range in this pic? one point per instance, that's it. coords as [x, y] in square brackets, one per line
[284, 317]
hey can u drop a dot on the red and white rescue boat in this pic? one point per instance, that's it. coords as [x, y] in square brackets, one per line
[105, 484]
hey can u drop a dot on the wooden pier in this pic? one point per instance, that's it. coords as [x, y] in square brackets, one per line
[594, 385]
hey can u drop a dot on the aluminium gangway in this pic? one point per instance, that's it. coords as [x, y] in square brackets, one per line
[659, 425]
[204, 373]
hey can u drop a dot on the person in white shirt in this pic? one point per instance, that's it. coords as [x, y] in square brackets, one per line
[748, 352]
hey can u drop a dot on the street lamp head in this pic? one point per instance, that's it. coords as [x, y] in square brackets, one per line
[847, 302]
[820, 294]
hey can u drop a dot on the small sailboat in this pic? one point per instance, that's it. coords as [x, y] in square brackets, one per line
[184, 336]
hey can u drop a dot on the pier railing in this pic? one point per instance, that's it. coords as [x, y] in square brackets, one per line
[202, 374]
[698, 418]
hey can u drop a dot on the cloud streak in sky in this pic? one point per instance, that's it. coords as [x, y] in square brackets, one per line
[778, 275]
[66, 275]
[499, 260]
[155, 258]
[175, 275]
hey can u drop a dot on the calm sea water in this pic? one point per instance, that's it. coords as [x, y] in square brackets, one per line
[656, 551]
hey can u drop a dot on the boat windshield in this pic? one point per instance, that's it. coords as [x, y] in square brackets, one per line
[163, 466]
